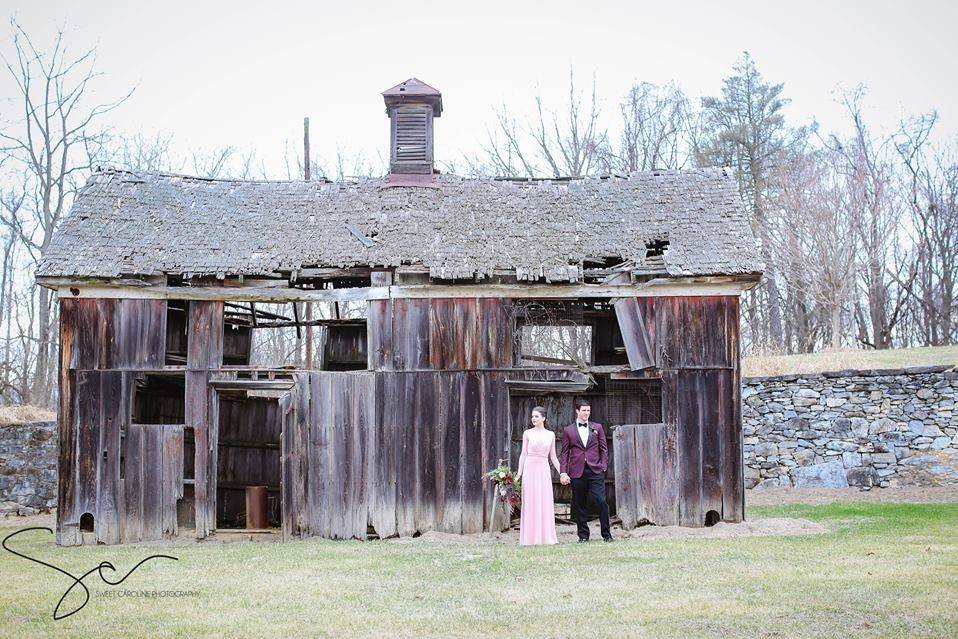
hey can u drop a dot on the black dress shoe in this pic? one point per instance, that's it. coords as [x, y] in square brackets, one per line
[608, 539]
[582, 541]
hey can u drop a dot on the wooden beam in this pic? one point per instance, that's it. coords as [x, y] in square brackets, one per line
[652, 288]
[252, 384]
[315, 322]
[334, 273]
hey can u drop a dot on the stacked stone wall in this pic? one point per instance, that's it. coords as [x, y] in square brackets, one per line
[892, 427]
[28, 467]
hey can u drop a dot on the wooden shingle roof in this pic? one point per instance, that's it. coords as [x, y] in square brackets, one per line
[125, 223]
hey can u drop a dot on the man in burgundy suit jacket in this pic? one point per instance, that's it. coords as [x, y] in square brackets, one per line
[583, 462]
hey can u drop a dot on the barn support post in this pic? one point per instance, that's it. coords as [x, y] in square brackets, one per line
[204, 353]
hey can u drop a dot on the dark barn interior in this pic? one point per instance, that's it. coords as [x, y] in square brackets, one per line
[347, 359]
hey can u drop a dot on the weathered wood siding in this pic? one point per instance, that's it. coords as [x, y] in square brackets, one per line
[402, 451]
[402, 447]
[102, 341]
[113, 333]
[152, 482]
[440, 334]
[678, 471]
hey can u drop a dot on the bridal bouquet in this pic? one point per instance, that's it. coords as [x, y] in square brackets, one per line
[508, 488]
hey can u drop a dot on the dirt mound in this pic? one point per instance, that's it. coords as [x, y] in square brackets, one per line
[567, 533]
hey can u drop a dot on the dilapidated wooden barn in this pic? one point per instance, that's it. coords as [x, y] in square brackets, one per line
[477, 299]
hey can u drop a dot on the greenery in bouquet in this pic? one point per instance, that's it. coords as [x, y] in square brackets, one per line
[508, 487]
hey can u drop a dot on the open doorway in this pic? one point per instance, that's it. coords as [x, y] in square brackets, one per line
[248, 475]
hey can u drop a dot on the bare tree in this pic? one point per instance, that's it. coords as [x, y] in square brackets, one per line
[53, 145]
[811, 241]
[566, 143]
[866, 167]
[141, 153]
[931, 190]
[655, 129]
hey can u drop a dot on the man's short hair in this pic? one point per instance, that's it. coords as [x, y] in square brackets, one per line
[582, 402]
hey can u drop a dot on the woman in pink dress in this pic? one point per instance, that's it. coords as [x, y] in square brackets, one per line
[537, 523]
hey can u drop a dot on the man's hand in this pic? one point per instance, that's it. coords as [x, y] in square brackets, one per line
[564, 479]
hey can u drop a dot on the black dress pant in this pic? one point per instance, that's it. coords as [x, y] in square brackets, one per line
[591, 484]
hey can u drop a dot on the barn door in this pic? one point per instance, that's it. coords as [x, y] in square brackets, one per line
[645, 480]
[294, 450]
[152, 481]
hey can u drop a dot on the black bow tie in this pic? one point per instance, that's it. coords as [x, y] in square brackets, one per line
[580, 424]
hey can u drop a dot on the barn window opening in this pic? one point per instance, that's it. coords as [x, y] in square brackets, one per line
[159, 398]
[186, 505]
[86, 522]
[303, 335]
[552, 333]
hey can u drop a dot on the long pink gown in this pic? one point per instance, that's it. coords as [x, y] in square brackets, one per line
[537, 511]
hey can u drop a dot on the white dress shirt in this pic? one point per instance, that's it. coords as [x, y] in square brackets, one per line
[583, 433]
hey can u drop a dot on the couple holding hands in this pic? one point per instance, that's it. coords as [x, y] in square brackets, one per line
[584, 459]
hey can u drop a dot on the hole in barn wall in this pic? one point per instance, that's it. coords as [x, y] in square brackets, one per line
[712, 517]
[186, 505]
[249, 466]
[633, 401]
[176, 332]
[86, 522]
[282, 334]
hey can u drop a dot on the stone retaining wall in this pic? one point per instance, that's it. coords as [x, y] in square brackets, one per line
[28, 467]
[892, 427]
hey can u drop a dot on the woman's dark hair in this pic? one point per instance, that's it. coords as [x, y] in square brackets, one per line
[541, 411]
[582, 402]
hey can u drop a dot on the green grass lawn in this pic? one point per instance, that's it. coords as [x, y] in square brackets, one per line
[884, 570]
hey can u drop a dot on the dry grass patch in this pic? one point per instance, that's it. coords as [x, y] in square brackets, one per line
[25, 414]
[836, 360]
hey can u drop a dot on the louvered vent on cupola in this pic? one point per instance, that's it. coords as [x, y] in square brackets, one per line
[411, 106]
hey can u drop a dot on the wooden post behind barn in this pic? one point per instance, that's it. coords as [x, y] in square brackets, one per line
[309, 306]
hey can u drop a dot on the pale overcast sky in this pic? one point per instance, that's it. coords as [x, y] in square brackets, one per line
[245, 73]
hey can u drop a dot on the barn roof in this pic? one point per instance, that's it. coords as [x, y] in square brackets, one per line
[125, 223]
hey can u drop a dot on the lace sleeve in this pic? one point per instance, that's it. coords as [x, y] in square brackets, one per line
[552, 453]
